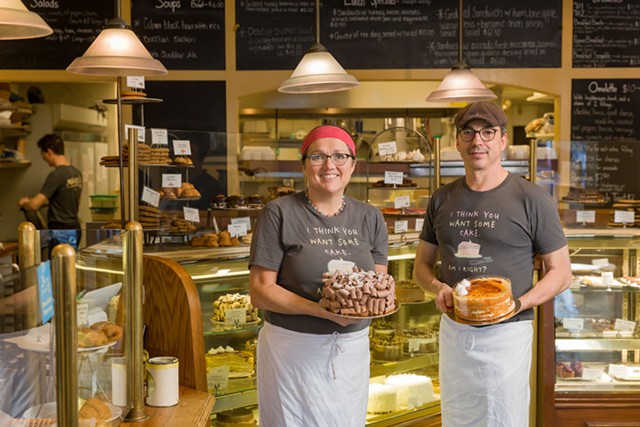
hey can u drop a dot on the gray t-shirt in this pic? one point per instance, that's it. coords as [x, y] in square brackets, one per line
[495, 232]
[63, 187]
[297, 242]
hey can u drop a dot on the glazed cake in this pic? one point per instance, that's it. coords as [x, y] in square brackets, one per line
[382, 399]
[358, 293]
[412, 390]
[483, 299]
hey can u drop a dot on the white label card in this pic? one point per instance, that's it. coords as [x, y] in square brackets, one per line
[236, 316]
[591, 373]
[171, 180]
[585, 216]
[573, 323]
[607, 278]
[394, 178]
[625, 217]
[159, 137]
[387, 148]
[83, 313]
[150, 196]
[600, 262]
[237, 230]
[401, 226]
[401, 202]
[419, 224]
[218, 378]
[181, 147]
[140, 132]
[244, 220]
[624, 325]
[619, 371]
[191, 214]
[136, 82]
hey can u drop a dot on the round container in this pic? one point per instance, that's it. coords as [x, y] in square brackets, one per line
[162, 381]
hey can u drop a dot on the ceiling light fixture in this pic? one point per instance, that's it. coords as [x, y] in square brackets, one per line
[461, 84]
[318, 71]
[17, 22]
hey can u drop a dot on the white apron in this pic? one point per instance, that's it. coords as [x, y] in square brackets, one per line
[484, 374]
[307, 380]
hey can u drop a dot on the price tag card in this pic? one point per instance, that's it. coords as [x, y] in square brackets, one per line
[617, 371]
[140, 132]
[585, 216]
[600, 262]
[607, 278]
[394, 178]
[419, 224]
[387, 148]
[150, 196]
[181, 147]
[237, 230]
[573, 323]
[82, 309]
[591, 373]
[243, 220]
[159, 137]
[401, 226]
[45, 291]
[624, 217]
[624, 325]
[135, 82]
[414, 345]
[191, 214]
[171, 180]
[402, 202]
[218, 377]
[236, 316]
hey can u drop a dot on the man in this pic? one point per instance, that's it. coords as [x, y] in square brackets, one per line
[484, 370]
[61, 190]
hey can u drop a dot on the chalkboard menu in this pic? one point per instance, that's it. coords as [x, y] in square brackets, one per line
[183, 35]
[605, 33]
[405, 34]
[605, 109]
[187, 105]
[76, 23]
[609, 166]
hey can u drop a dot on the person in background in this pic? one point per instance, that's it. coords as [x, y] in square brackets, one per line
[313, 366]
[484, 371]
[61, 190]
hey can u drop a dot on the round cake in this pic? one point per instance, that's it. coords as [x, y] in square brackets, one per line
[483, 299]
[358, 293]
[413, 390]
[382, 399]
[386, 348]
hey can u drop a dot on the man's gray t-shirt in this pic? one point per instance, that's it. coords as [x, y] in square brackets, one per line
[298, 242]
[495, 232]
[63, 187]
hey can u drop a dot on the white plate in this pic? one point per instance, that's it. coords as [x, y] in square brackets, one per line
[44, 348]
[49, 411]
[584, 267]
[100, 298]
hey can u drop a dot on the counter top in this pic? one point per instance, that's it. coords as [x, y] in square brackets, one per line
[193, 409]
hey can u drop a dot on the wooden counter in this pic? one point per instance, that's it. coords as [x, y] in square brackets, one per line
[193, 409]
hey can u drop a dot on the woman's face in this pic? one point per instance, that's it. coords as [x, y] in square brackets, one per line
[328, 177]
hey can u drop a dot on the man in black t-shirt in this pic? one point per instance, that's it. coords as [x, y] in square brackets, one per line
[61, 190]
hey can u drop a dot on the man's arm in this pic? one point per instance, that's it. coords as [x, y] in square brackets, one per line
[425, 277]
[557, 278]
[34, 203]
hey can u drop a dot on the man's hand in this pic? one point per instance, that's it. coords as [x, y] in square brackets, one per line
[444, 298]
[22, 201]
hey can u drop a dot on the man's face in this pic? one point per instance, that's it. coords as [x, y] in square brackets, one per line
[47, 156]
[480, 144]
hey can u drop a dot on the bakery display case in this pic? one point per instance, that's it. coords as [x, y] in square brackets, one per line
[590, 339]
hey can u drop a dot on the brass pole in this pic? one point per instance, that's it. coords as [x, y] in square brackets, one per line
[436, 162]
[133, 323]
[63, 278]
[132, 208]
[533, 160]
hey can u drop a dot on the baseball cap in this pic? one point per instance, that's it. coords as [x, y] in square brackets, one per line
[482, 110]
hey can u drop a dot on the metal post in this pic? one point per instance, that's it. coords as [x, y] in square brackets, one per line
[533, 160]
[63, 278]
[133, 324]
[132, 208]
[120, 153]
[436, 163]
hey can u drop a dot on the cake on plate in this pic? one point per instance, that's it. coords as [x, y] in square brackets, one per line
[412, 390]
[483, 299]
[227, 307]
[382, 399]
[358, 293]
[240, 363]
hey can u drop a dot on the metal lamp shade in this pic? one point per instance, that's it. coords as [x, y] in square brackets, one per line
[117, 51]
[17, 22]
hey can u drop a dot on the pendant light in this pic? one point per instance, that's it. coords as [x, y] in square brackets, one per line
[17, 22]
[318, 71]
[461, 84]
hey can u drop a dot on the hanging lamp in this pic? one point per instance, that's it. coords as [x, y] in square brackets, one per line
[17, 22]
[318, 71]
[461, 84]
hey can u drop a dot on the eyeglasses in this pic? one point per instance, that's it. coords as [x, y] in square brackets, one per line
[468, 135]
[338, 159]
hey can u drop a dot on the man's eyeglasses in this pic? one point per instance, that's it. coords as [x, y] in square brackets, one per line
[338, 159]
[468, 135]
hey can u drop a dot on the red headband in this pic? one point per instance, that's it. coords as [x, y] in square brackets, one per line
[328, 131]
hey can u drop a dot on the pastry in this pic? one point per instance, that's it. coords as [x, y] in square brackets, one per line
[358, 293]
[88, 337]
[233, 302]
[483, 299]
[94, 409]
[112, 331]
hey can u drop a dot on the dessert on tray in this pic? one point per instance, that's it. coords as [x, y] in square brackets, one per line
[483, 299]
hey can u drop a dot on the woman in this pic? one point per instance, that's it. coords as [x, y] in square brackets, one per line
[313, 366]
